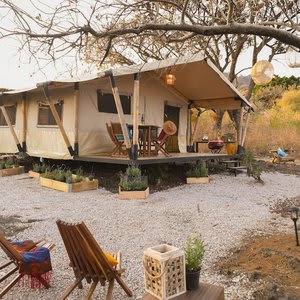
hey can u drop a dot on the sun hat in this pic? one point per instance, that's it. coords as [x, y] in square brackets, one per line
[169, 128]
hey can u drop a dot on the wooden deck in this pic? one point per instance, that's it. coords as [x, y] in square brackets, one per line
[160, 159]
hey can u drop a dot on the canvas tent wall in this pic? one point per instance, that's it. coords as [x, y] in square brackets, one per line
[197, 82]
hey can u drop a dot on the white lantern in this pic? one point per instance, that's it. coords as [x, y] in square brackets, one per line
[293, 57]
[262, 72]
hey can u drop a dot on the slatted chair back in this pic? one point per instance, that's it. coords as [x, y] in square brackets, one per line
[86, 257]
[110, 133]
[10, 251]
[116, 129]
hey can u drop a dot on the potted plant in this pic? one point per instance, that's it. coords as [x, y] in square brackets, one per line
[10, 166]
[65, 180]
[37, 170]
[197, 174]
[194, 252]
[133, 185]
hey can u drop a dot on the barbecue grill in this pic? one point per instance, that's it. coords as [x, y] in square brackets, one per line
[215, 146]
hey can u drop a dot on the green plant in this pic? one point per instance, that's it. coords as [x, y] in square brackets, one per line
[194, 253]
[197, 171]
[43, 168]
[91, 177]
[2, 165]
[132, 180]
[68, 176]
[79, 175]
[253, 170]
[59, 175]
[36, 168]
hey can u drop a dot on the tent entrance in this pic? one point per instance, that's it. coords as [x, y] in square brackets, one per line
[171, 113]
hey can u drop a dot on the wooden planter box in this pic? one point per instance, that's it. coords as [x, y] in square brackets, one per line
[133, 194]
[34, 174]
[197, 180]
[84, 185]
[11, 171]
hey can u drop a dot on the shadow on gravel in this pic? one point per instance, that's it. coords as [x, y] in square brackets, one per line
[11, 225]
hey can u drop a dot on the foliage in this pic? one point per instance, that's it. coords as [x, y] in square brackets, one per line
[268, 94]
[10, 162]
[132, 180]
[64, 175]
[194, 253]
[254, 170]
[291, 100]
[197, 171]
[40, 168]
[157, 173]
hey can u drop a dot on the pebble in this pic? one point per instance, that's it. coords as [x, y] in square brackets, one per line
[223, 212]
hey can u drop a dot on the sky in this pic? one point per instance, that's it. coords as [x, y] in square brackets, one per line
[16, 72]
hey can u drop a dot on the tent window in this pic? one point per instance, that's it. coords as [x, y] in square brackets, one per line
[11, 111]
[45, 116]
[106, 103]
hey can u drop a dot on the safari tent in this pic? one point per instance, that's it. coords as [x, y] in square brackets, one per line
[67, 119]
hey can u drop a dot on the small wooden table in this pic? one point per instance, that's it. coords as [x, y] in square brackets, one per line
[205, 292]
[146, 137]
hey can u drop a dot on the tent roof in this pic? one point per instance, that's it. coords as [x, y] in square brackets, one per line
[197, 80]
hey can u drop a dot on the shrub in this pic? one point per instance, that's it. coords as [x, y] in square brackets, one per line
[132, 180]
[194, 253]
[197, 171]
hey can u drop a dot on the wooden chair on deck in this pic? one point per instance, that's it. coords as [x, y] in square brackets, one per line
[23, 255]
[119, 143]
[159, 142]
[88, 260]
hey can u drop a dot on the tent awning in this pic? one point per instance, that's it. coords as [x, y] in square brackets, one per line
[197, 80]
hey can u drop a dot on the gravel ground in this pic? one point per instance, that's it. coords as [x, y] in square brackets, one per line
[223, 211]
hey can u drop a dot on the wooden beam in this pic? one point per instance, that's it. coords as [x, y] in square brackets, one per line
[10, 126]
[136, 100]
[57, 119]
[24, 121]
[116, 95]
[76, 102]
[195, 126]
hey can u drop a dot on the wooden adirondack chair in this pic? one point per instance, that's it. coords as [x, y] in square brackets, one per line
[120, 148]
[16, 258]
[89, 261]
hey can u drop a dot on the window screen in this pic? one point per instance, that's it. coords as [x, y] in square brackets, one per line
[45, 116]
[11, 111]
[106, 103]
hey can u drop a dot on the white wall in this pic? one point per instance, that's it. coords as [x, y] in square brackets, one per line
[93, 136]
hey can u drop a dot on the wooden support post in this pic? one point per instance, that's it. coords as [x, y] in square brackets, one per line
[189, 129]
[136, 100]
[12, 131]
[24, 122]
[116, 95]
[57, 119]
[195, 126]
[76, 101]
